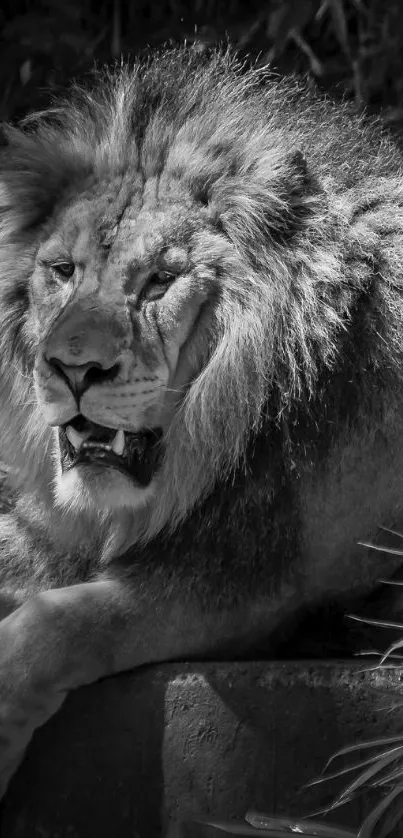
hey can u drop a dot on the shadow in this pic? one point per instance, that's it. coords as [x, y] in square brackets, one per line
[95, 768]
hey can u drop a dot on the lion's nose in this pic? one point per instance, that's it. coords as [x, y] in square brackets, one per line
[80, 377]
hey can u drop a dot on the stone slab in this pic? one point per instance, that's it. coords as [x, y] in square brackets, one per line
[136, 754]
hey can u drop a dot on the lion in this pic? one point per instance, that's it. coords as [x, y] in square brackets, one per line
[201, 362]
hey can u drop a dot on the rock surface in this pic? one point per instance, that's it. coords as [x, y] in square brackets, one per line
[135, 754]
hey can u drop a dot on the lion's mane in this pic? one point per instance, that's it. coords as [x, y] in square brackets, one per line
[307, 333]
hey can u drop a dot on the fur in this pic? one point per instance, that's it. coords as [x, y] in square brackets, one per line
[302, 228]
[283, 418]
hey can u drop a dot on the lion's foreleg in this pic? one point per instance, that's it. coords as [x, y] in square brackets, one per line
[61, 639]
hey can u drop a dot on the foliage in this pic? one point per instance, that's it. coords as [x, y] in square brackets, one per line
[352, 47]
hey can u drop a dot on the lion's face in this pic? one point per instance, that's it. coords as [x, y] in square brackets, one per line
[122, 286]
[169, 280]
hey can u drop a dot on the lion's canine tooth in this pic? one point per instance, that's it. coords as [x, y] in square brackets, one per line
[118, 444]
[74, 437]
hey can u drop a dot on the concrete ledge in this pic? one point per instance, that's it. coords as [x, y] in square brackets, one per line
[134, 754]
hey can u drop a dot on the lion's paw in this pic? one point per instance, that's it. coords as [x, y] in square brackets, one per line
[17, 726]
[10, 764]
[28, 698]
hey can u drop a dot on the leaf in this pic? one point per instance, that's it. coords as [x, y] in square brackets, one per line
[276, 827]
[26, 71]
[381, 623]
[304, 826]
[370, 773]
[355, 767]
[393, 532]
[392, 551]
[340, 25]
[368, 743]
[367, 828]
[287, 16]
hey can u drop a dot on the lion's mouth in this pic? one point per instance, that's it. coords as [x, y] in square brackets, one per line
[137, 455]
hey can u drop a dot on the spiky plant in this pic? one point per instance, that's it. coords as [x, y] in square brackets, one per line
[382, 769]
[377, 765]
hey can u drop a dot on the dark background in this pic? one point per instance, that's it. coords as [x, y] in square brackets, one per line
[353, 48]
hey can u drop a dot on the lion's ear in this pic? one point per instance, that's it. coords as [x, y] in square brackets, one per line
[292, 193]
[298, 172]
[299, 160]
[27, 182]
[301, 192]
[274, 199]
[35, 169]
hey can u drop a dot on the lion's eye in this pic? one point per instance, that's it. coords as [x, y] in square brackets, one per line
[161, 278]
[158, 283]
[64, 269]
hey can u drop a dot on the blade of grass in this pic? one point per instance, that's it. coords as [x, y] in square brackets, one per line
[367, 828]
[370, 773]
[393, 551]
[381, 623]
[393, 532]
[348, 769]
[368, 743]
